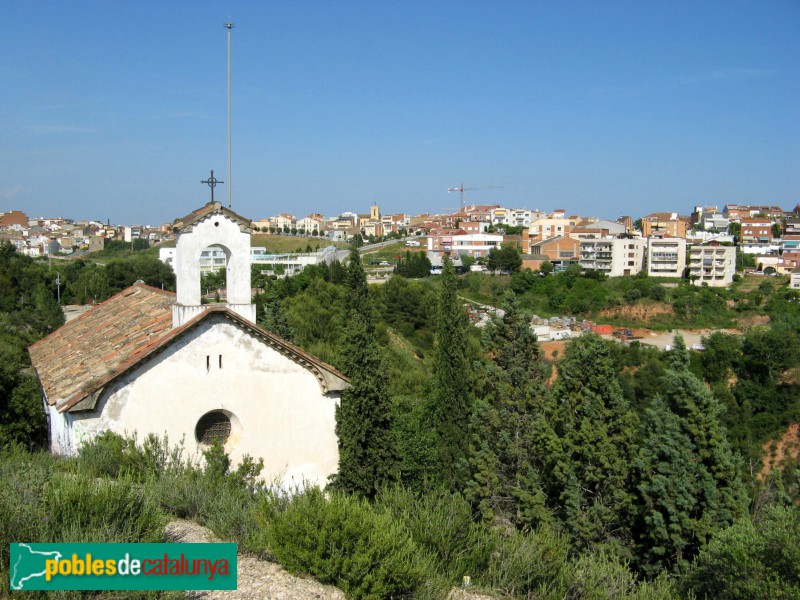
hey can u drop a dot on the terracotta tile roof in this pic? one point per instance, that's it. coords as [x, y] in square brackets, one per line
[201, 213]
[78, 360]
[91, 347]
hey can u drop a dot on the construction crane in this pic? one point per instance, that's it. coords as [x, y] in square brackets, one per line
[462, 189]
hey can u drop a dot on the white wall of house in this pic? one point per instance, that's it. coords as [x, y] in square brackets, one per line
[666, 257]
[614, 257]
[714, 266]
[277, 407]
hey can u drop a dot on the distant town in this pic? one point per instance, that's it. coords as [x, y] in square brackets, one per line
[701, 246]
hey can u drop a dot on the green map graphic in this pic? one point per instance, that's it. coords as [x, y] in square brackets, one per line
[27, 564]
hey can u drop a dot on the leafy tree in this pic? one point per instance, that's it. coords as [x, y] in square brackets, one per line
[316, 316]
[272, 316]
[767, 352]
[416, 264]
[368, 458]
[452, 398]
[22, 419]
[506, 259]
[720, 356]
[592, 461]
[508, 426]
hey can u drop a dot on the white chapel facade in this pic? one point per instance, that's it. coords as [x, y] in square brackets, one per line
[149, 361]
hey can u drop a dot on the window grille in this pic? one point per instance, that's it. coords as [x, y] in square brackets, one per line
[214, 426]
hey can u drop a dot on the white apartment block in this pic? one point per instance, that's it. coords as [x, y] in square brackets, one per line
[794, 279]
[614, 257]
[666, 257]
[476, 245]
[282, 220]
[712, 265]
[514, 217]
[311, 222]
[545, 229]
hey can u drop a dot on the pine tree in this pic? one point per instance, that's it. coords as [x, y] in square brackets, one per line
[273, 317]
[592, 459]
[368, 457]
[667, 488]
[508, 423]
[721, 496]
[452, 399]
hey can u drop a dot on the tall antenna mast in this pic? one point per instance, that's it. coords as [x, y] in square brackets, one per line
[229, 26]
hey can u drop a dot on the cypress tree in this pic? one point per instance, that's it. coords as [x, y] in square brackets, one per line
[451, 408]
[368, 457]
[592, 459]
[508, 423]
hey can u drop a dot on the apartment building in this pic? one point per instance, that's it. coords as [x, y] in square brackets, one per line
[558, 249]
[550, 227]
[666, 257]
[514, 217]
[712, 264]
[312, 222]
[663, 224]
[794, 279]
[454, 242]
[737, 212]
[282, 221]
[14, 219]
[614, 257]
[627, 222]
[596, 228]
[756, 231]
[789, 262]
[480, 212]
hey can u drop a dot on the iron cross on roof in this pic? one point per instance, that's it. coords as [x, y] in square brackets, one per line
[211, 182]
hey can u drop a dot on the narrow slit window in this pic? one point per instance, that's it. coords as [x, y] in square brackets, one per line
[208, 362]
[220, 361]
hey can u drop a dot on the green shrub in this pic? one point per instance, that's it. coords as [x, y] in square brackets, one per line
[344, 541]
[533, 565]
[23, 515]
[85, 509]
[185, 495]
[750, 560]
[112, 455]
[442, 524]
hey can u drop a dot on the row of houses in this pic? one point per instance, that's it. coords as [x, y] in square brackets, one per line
[345, 225]
[52, 236]
[712, 264]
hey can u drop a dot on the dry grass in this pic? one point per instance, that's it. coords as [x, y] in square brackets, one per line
[285, 243]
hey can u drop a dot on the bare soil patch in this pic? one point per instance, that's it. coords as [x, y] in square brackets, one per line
[775, 451]
[638, 312]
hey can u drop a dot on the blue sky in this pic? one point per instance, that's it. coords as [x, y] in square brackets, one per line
[117, 110]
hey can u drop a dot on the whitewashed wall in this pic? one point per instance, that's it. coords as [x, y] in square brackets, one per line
[279, 411]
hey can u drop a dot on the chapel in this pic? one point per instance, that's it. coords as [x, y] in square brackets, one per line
[150, 361]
